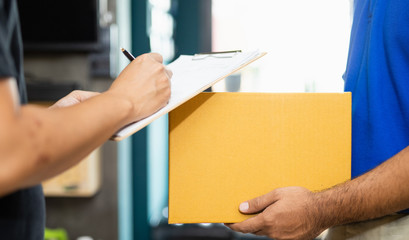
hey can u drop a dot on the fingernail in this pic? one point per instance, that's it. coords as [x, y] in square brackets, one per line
[244, 206]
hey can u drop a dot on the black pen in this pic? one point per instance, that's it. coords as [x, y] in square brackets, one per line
[127, 54]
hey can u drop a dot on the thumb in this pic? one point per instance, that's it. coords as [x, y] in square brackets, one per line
[258, 204]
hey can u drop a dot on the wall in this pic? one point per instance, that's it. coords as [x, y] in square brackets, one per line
[97, 216]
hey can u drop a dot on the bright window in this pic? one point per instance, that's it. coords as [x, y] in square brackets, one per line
[306, 40]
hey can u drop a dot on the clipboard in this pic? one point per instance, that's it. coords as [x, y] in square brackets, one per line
[192, 74]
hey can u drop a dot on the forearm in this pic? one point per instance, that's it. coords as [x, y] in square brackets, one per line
[38, 143]
[377, 193]
[42, 143]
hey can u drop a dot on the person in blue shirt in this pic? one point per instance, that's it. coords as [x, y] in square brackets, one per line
[38, 143]
[377, 74]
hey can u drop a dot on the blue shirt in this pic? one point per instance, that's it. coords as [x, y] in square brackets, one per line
[377, 74]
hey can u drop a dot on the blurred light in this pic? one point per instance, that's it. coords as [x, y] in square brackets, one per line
[206, 225]
[307, 42]
[164, 5]
[165, 212]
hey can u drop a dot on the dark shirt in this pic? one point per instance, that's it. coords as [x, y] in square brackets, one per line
[22, 213]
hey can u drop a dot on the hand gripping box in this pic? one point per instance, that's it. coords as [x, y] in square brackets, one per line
[225, 148]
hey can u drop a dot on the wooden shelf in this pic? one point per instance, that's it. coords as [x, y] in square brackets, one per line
[83, 180]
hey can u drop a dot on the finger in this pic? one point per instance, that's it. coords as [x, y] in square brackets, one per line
[260, 233]
[258, 204]
[156, 56]
[250, 225]
[169, 72]
[84, 95]
[73, 98]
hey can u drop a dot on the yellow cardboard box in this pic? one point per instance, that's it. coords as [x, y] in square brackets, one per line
[225, 148]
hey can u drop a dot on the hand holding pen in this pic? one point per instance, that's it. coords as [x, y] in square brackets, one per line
[154, 55]
[145, 83]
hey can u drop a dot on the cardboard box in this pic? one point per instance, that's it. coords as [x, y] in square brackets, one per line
[225, 148]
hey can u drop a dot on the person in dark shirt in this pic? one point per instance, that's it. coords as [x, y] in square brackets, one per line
[38, 143]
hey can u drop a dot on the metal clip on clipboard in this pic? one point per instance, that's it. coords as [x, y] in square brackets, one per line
[224, 54]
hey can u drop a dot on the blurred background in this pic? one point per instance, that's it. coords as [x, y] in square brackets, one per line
[120, 190]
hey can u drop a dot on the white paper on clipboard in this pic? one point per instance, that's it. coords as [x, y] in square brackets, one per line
[190, 77]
